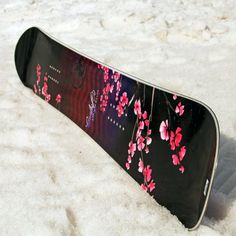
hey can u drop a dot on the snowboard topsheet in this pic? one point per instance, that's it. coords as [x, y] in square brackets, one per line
[167, 142]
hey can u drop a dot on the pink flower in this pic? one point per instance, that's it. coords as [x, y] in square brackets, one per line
[129, 159]
[147, 123]
[175, 160]
[140, 143]
[163, 130]
[141, 125]
[148, 140]
[132, 148]
[47, 97]
[179, 109]
[140, 165]
[38, 72]
[182, 153]
[175, 138]
[145, 115]
[144, 187]
[38, 68]
[116, 76]
[124, 100]
[151, 186]
[102, 109]
[104, 103]
[104, 91]
[58, 98]
[137, 107]
[118, 85]
[127, 165]
[174, 96]
[181, 169]
[146, 149]
[45, 78]
[138, 134]
[105, 77]
[109, 88]
[35, 89]
[147, 171]
[149, 132]
[45, 89]
[106, 69]
[120, 110]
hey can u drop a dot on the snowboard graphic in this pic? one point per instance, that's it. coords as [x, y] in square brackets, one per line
[167, 142]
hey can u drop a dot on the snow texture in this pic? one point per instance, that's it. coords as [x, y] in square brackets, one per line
[55, 180]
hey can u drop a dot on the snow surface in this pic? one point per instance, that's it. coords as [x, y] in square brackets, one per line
[55, 180]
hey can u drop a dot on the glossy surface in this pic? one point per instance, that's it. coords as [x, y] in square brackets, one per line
[167, 143]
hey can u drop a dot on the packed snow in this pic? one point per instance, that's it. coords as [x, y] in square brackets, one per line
[55, 180]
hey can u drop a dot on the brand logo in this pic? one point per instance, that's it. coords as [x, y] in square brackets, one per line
[92, 108]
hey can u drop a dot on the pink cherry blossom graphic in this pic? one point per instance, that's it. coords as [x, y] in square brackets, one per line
[118, 85]
[144, 187]
[35, 89]
[140, 165]
[138, 133]
[181, 169]
[146, 150]
[47, 97]
[109, 88]
[151, 186]
[164, 130]
[106, 77]
[142, 141]
[146, 122]
[112, 84]
[116, 76]
[127, 165]
[44, 91]
[120, 110]
[145, 115]
[58, 98]
[132, 148]
[38, 73]
[148, 140]
[175, 160]
[137, 107]
[179, 109]
[182, 153]
[141, 125]
[124, 99]
[175, 138]
[149, 183]
[147, 171]
[129, 159]
[122, 103]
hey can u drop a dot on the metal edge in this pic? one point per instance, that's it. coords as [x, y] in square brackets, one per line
[169, 91]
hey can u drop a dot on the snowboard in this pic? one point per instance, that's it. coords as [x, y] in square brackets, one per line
[165, 141]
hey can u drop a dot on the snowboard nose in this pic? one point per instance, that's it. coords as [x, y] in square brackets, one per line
[23, 52]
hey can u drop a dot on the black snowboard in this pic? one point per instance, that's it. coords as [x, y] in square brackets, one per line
[167, 142]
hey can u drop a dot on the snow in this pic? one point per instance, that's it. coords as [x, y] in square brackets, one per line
[55, 180]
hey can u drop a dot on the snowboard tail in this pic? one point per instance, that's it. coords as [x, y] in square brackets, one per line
[167, 142]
